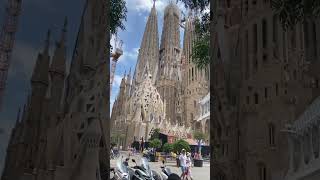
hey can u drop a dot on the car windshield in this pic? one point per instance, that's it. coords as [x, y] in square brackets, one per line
[122, 168]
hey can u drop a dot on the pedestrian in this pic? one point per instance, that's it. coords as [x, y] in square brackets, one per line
[189, 164]
[183, 163]
[142, 144]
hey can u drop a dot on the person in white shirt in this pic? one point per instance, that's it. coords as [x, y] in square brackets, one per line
[183, 163]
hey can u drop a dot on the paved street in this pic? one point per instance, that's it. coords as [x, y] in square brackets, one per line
[201, 173]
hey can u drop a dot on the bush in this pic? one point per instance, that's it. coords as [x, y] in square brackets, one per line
[179, 145]
[113, 144]
[155, 143]
[167, 147]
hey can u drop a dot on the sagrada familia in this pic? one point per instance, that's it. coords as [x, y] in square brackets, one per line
[166, 86]
[62, 132]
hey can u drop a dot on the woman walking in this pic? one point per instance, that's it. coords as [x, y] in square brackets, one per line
[189, 164]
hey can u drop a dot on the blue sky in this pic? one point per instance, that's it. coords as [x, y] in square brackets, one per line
[138, 12]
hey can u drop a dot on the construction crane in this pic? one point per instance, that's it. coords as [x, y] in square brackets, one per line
[7, 37]
[115, 55]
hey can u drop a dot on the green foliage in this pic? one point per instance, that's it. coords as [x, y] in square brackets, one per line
[118, 13]
[113, 144]
[200, 54]
[167, 147]
[196, 4]
[155, 143]
[155, 134]
[179, 145]
[291, 12]
[199, 135]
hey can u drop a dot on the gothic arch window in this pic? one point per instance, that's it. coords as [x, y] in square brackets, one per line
[275, 29]
[221, 176]
[264, 33]
[219, 130]
[306, 148]
[255, 38]
[315, 141]
[266, 92]
[295, 74]
[277, 89]
[247, 54]
[192, 75]
[256, 98]
[262, 171]
[306, 35]
[228, 3]
[80, 104]
[314, 34]
[271, 133]
[254, 2]
[293, 38]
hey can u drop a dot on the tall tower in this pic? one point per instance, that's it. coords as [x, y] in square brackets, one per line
[169, 75]
[148, 57]
[7, 36]
[195, 80]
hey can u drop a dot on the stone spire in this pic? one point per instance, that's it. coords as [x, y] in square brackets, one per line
[149, 48]
[170, 62]
[170, 37]
[58, 65]
[18, 117]
[40, 72]
[189, 37]
[57, 74]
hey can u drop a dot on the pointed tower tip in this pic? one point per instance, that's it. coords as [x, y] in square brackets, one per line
[65, 23]
[47, 42]
[18, 116]
[64, 30]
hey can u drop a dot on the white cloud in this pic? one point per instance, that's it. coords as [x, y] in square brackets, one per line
[129, 55]
[145, 5]
[116, 81]
[142, 6]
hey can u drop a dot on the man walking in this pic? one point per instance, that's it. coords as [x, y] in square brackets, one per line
[183, 163]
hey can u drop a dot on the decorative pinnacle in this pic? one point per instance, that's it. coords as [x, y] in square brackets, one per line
[64, 30]
[18, 116]
[47, 43]
[154, 3]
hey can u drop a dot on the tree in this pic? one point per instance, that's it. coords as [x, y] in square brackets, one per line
[155, 134]
[179, 145]
[118, 14]
[167, 147]
[155, 143]
[199, 136]
[200, 54]
[292, 12]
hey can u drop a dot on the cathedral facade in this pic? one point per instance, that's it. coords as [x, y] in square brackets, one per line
[61, 134]
[170, 82]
